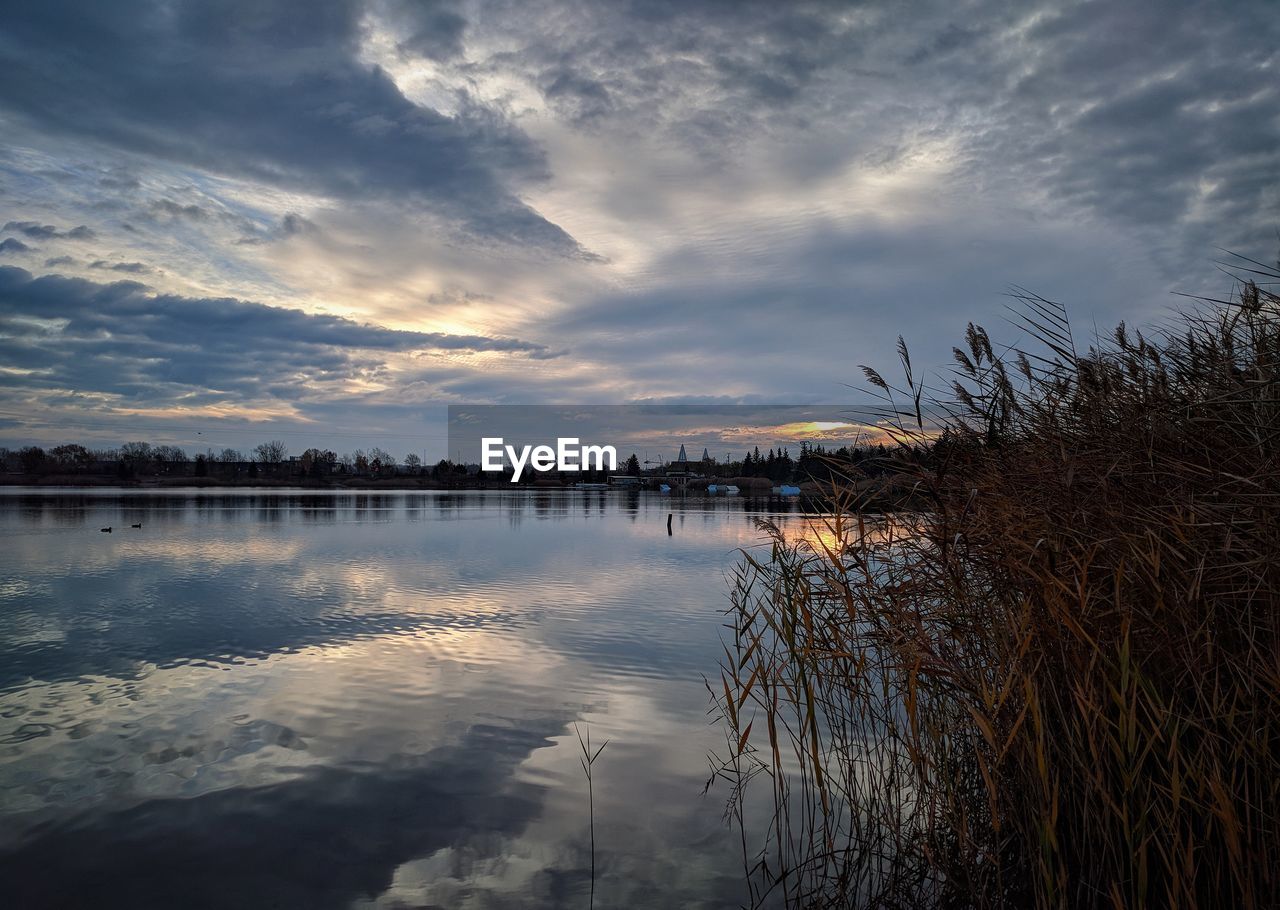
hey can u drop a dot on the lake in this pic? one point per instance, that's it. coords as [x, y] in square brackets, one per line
[350, 699]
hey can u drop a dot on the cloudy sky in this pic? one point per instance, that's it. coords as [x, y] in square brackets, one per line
[326, 221]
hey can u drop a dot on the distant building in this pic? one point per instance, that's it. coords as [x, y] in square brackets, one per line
[681, 467]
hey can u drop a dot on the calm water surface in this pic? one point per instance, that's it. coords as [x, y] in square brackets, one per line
[284, 699]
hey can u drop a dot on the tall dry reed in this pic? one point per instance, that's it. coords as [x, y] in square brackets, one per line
[1058, 685]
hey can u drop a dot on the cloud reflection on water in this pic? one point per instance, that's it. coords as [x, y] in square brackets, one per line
[328, 700]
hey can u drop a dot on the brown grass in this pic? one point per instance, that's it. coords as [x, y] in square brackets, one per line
[1059, 686]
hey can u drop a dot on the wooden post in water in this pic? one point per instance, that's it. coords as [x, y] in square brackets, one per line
[668, 524]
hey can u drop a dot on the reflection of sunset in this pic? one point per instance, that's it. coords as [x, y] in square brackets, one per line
[826, 534]
[822, 535]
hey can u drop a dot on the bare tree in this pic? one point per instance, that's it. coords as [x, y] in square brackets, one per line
[169, 455]
[272, 452]
[318, 462]
[70, 455]
[135, 451]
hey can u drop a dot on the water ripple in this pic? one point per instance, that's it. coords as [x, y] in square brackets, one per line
[316, 699]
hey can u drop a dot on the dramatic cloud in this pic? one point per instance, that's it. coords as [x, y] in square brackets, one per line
[149, 350]
[693, 200]
[270, 91]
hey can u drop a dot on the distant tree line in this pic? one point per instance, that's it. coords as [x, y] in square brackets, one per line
[813, 462]
[268, 459]
[271, 459]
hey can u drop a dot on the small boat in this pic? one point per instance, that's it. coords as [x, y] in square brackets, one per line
[711, 488]
[786, 490]
[664, 488]
[730, 490]
[105, 530]
[138, 525]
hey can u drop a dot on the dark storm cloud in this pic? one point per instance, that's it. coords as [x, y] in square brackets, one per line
[121, 339]
[270, 91]
[13, 245]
